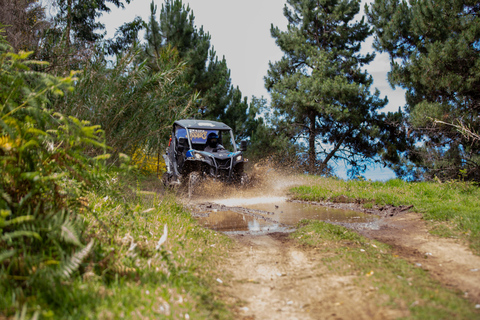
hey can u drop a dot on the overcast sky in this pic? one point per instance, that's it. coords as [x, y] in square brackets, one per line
[240, 31]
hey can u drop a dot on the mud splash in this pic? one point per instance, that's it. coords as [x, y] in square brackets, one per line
[263, 206]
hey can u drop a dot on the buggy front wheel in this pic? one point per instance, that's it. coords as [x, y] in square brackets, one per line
[244, 179]
[193, 182]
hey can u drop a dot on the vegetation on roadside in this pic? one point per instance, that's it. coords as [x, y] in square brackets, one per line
[45, 171]
[456, 203]
[383, 274]
[136, 274]
[72, 229]
[150, 259]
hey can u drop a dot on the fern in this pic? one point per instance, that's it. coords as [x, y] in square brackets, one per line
[46, 167]
[73, 263]
[69, 233]
[5, 254]
[17, 234]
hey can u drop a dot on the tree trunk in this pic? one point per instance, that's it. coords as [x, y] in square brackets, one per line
[69, 24]
[312, 154]
[332, 153]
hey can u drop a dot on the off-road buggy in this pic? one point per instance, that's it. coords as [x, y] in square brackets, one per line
[199, 149]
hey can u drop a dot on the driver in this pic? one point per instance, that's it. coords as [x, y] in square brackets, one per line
[212, 143]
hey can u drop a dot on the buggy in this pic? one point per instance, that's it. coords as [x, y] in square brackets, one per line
[199, 149]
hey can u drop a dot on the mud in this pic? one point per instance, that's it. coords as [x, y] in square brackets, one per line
[274, 278]
[255, 216]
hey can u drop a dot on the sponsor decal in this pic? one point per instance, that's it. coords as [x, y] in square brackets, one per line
[198, 136]
[206, 124]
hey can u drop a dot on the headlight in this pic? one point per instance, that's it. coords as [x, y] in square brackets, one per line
[238, 158]
[198, 156]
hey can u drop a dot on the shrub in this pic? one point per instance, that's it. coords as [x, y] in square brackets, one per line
[44, 172]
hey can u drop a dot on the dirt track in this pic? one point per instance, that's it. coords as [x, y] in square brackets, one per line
[275, 279]
[447, 260]
[272, 277]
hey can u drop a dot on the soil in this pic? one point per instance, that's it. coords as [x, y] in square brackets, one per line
[273, 277]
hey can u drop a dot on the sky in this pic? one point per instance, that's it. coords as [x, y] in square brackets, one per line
[240, 31]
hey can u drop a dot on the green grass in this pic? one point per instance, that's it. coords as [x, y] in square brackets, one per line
[456, 203]
[126, 276]
[373, 264]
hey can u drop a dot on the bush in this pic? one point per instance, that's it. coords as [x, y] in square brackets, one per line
[44, 173]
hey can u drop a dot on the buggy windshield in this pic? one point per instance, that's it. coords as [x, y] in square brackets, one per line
[198, 138]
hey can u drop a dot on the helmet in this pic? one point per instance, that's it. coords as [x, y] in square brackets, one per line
[212, 139]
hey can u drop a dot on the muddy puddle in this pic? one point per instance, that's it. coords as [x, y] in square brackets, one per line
[274, 214]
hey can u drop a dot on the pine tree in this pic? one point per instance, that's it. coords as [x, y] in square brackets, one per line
[206, 73]
[434, 47]
[79, 18]
[320, 92]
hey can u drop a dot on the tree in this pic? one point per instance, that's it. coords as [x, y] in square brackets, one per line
[135, 104]
[434, 46]
[320, 93]
[69, 41]
[24, 22]
[79, 18]
[206, 73]
[126, 37]
[267, 140]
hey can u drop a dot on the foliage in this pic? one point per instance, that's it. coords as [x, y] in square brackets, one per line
[44, 172]
[176, 277]
[78, 21]
[435, 55]
[205, 73]
[24, 21]
[148, 163]
[126, 37]
[268, 142]
[319, 91]
[147, 246]
[457, 203]
[135, 104]
[385, 277]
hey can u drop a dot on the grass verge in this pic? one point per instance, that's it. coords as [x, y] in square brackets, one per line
[375, 266]
[456, 203]
[130, 273]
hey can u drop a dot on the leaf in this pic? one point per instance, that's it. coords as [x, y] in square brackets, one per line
[69, 234]
[17, 234]
[70, 266]
[33, 176]
[37, 132]
[102, 157]
[4, 255]
[18, 220]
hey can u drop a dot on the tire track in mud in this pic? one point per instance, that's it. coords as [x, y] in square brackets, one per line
[272, 277]
[275, 278]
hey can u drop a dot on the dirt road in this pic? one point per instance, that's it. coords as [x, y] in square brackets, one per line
[273, 277]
